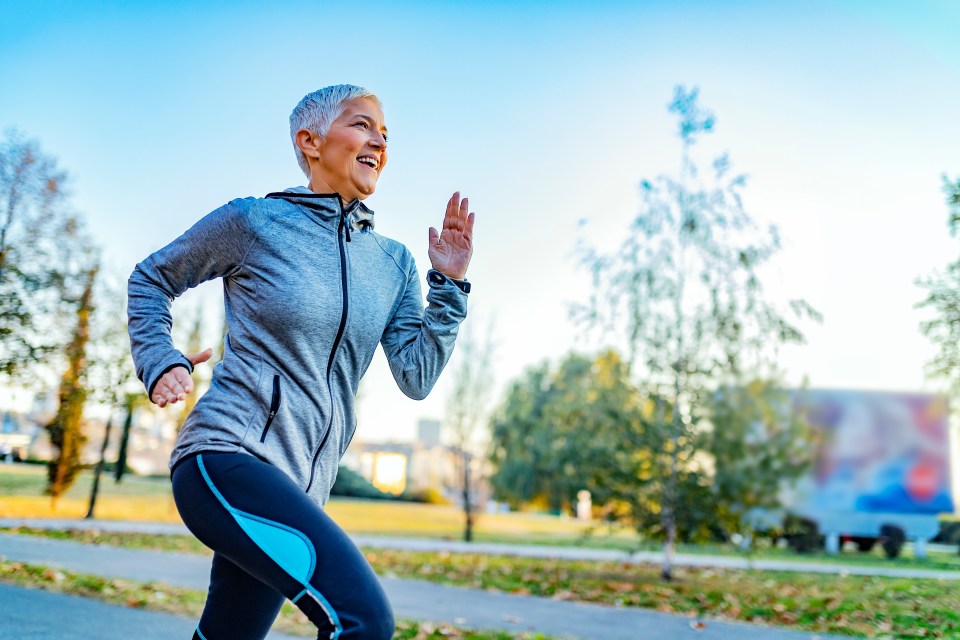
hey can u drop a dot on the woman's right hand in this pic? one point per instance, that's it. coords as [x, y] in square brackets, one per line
[175, 384]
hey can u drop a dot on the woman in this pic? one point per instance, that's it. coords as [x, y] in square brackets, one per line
[310, 289]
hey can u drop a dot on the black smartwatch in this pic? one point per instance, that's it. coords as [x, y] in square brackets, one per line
[436, 279]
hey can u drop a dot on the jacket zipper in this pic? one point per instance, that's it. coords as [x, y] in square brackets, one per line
[345, 229]
[274, 405]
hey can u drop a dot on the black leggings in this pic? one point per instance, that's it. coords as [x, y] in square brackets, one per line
[270, 542]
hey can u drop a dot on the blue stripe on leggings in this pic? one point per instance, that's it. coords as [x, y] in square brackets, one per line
[338, 628]
[202, 637]
[286, 546]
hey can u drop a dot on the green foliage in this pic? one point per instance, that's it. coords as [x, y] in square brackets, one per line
[559, 432]
[40, 243]
[943, 301]
[951, 189]
[758, 445]
[351, 484]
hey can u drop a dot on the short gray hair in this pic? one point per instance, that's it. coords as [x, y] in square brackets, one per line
[317, 111]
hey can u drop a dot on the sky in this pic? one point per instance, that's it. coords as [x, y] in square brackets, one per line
[547, 115]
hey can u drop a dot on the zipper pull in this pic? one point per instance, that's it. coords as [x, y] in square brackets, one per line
[345, 225]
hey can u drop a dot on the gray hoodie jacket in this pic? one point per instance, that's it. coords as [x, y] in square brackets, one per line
[309, 291]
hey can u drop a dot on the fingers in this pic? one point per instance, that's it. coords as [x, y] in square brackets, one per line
[458, 219]
[183, 383]
[456, 214]
[197, 358]
[468, 227]
[453, 211]
[176, 384]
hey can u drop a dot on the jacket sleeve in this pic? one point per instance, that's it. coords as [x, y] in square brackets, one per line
[417, 342]
[214, 247]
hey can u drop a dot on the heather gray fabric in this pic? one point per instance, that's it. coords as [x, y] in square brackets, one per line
[285, 389]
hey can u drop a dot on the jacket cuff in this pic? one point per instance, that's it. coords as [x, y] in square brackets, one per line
[436, 279]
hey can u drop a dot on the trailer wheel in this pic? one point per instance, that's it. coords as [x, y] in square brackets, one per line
[864, 544]
[892, 538]
[804, 535]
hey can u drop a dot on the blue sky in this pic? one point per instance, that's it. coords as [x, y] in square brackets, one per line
[844, 114]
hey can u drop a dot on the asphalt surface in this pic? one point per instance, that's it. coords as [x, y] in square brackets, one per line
[529, 551]
[411, 599]
[30, 614]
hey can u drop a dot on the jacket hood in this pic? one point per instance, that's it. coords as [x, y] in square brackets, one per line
[358, 215]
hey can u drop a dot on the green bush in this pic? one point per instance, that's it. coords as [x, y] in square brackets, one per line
[350, 484]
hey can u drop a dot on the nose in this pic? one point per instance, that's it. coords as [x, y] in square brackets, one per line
[378, 140]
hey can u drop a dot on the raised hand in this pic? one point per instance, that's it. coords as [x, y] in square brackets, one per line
[451, 249]
[175, 384]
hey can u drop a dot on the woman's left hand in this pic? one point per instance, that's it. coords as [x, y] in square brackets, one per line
[451, 249]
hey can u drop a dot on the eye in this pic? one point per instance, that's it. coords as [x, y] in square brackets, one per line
[386, 138]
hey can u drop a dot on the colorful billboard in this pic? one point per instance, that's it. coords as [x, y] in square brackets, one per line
[878, 452]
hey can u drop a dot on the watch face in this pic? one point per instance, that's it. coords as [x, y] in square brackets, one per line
[436, 278]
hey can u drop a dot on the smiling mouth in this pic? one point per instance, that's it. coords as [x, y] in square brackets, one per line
[368, 161]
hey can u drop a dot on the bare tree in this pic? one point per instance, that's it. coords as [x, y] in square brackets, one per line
[467, 407]
[112, 379]
[684, 290]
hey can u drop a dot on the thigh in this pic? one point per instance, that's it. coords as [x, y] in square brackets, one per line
[257, 517]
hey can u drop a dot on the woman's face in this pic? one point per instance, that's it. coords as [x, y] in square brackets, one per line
[353, 153]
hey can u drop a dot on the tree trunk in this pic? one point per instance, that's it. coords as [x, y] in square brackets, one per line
[467, 502]
[124, 441]
[668, 508]
[96, 474]
[66, 428]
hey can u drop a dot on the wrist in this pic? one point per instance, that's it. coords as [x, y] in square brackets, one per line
[437, 279]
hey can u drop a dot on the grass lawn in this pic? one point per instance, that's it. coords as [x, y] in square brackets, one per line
[851, 605]
[149, 499]
[156, 596]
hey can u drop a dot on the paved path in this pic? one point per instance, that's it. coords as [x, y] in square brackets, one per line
[531, 551]
[31, 614]
[410, 598]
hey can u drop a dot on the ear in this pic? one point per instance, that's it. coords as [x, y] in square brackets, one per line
[309, 143]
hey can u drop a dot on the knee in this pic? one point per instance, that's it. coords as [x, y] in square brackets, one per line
[373, 620]
[378, 622]
[385, 625]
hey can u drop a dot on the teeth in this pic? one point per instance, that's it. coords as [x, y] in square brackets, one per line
[368, 161]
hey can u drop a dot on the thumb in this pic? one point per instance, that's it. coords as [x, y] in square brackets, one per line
[434, 236]
[197, 358]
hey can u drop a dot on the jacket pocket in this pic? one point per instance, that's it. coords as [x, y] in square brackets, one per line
[274, 406]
